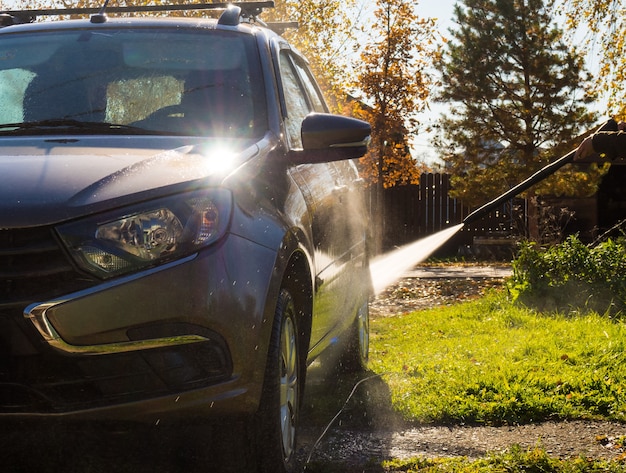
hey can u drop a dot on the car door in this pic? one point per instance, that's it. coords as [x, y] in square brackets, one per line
[329, 188]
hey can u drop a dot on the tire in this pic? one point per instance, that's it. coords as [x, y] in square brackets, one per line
[355, 350]
[277, 419]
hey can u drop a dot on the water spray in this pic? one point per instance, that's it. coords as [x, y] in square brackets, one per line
[388, 268]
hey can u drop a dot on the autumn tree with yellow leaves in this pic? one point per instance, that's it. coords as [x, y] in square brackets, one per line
[394, 80]
[602, 26]
[325, 35]
[395, 50]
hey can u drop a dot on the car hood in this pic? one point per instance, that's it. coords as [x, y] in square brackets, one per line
[46, 181]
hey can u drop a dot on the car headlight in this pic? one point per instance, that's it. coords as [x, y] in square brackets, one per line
[147, 234]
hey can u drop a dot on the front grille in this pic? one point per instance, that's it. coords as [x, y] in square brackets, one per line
[33, 268]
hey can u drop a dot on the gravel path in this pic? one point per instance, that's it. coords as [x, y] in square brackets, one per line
[598, 440]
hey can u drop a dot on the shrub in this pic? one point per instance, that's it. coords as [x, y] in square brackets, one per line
[571, 276]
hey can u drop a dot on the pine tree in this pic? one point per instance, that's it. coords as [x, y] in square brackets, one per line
[517, 96]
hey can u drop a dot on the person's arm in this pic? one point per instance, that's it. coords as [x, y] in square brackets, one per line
[613, 144]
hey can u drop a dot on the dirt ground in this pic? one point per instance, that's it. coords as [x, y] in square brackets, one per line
[366, 428]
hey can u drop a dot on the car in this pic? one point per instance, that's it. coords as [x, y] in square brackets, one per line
[182, 223]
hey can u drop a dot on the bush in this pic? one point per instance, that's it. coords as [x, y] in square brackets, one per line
[571, 276]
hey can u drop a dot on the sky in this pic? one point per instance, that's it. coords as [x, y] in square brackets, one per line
[442, 10]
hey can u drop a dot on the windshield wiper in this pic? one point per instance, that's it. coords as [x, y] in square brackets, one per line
[69, 125]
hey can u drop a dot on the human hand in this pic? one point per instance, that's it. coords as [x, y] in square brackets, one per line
[586, 148]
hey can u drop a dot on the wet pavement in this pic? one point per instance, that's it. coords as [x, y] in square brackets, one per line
[424, 287]
[469, 271]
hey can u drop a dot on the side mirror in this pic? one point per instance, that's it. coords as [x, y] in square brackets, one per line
[327, 137]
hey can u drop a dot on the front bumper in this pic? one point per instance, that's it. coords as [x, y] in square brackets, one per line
[181, 339]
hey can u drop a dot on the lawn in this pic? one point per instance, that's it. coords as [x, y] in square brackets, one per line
[515, 460]
[492, 361]
[496, 361]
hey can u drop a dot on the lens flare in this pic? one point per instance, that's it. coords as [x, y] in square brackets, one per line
[389, 267]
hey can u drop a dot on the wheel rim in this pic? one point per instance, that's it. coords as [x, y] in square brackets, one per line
[364, 332]
[288, 386]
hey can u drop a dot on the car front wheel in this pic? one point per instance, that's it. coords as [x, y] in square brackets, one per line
[277, 418]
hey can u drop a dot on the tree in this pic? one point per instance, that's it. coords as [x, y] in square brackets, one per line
[393, 76]
[517, 95]
[325, 35]
[604, 24]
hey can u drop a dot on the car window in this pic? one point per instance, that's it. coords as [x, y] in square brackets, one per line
[317, 101]
[295, 100]
[184, 82]
[13, 86]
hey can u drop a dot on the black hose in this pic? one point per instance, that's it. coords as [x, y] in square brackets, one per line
[610, 125]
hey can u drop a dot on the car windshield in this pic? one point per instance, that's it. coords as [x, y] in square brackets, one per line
[200, 83]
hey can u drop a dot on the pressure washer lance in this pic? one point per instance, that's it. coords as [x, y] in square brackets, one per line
[610, 125]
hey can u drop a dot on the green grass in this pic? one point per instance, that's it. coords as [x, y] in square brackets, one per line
[534, 460]
[492, 362]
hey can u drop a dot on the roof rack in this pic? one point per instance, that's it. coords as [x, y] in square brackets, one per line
[281, 26]
[247, 9]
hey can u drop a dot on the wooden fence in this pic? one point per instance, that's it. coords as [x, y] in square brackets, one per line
[412, 212]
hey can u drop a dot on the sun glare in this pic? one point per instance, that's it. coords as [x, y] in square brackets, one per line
[219, 159]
